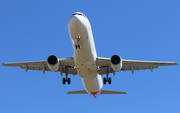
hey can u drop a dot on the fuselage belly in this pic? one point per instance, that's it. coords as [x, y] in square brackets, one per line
[85, 56]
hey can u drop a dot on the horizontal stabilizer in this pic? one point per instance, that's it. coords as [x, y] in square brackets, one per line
[112, 92]
[78, 92]
[102, 92]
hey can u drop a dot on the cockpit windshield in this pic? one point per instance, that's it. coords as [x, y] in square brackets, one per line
[78, 13]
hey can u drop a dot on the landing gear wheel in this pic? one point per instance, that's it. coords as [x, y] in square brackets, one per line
[109, 80]
[69, 81]
[78, 46]
[104, 80]
[64, 81]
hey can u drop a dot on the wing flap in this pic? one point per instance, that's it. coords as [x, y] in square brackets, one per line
[104, 71]
[128, 68]
[124, 68]
[40, 68]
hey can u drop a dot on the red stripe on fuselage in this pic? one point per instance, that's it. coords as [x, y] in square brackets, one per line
[96, 94]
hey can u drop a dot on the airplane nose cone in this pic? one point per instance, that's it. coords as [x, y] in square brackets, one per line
[74, 20]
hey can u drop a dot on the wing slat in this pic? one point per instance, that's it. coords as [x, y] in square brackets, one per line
[70, 71]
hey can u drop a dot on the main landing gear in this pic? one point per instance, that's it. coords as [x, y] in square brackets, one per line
[107, 79]
[68, 80]
[78, 39]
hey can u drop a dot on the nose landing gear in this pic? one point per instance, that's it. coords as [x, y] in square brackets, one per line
[78, 46]
[78, 39]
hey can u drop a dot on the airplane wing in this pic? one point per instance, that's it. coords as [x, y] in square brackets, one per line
[129, 65]
[66, 65]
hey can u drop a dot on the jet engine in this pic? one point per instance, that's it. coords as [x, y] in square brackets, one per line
[116, 62]
[53, 62]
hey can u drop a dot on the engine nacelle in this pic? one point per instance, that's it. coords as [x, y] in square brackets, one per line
[53, 62]
[116, 62]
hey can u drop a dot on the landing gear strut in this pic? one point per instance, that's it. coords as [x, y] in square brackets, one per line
[78, 39]
[68, 80]
[107, 79]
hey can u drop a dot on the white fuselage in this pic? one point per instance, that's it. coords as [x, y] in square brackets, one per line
[85, 56]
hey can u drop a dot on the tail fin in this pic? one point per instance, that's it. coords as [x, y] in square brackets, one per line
[102, 92]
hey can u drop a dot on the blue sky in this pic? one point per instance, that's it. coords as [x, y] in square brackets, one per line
[32, 30]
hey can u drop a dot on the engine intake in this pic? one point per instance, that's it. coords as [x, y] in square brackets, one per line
[53, 62]
[116, 62]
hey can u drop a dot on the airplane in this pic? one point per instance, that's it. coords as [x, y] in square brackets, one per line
[85, 61]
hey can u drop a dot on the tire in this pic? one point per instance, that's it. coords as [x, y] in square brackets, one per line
[63, 81]
[76, 46]
[69, 81]
[104, 80]
[109, 81]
